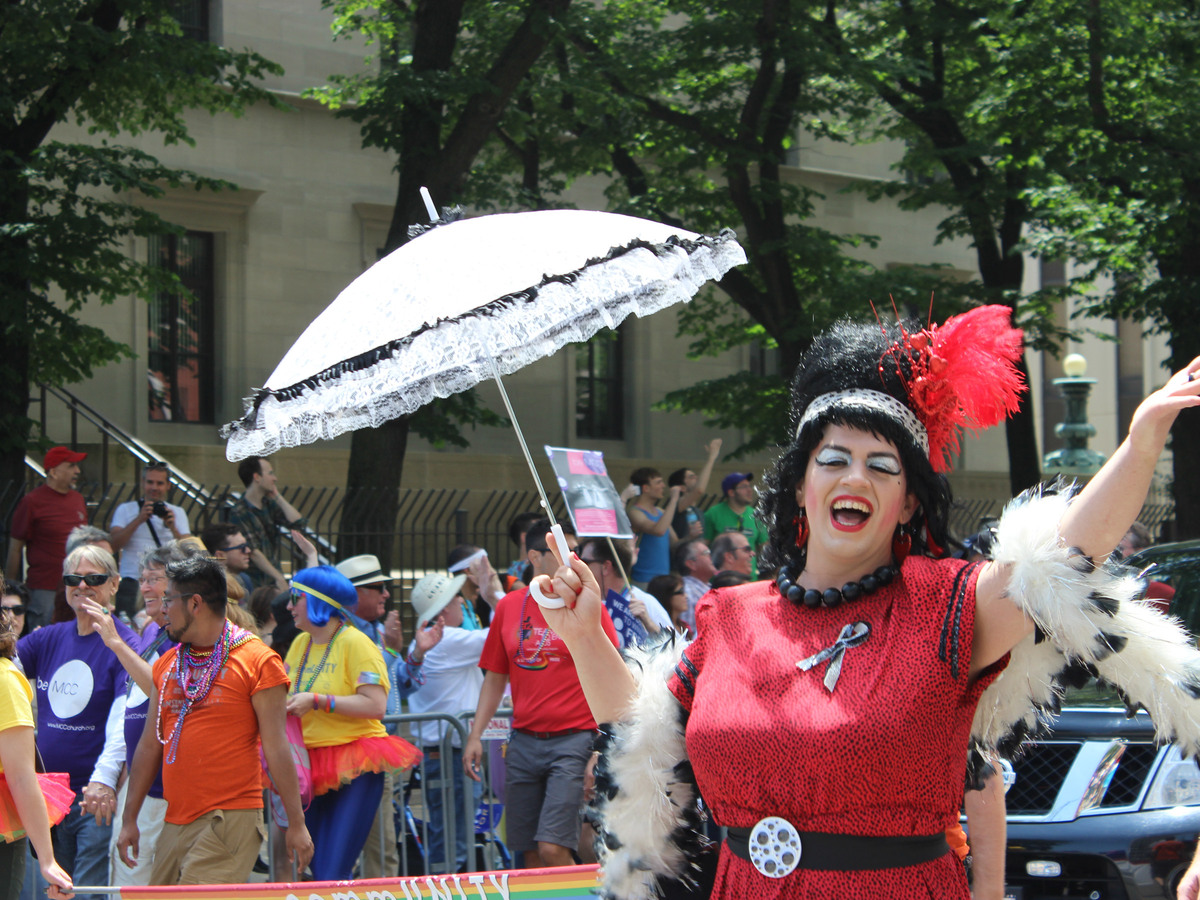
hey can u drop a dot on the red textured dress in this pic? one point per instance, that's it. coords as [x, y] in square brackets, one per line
[883, 754]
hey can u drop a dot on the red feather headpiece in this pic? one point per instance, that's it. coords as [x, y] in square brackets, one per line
[963, 374]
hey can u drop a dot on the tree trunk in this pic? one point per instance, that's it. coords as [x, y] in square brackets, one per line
[373, 492]
[1183, 269]
[14, 343]
[1024, 464]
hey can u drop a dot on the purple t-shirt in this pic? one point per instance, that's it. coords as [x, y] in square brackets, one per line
[136, 701]
[76, 678]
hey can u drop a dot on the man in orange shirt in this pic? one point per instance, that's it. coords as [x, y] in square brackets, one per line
[214, 697]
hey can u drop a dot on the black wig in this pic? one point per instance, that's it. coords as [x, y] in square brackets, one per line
[851, 355]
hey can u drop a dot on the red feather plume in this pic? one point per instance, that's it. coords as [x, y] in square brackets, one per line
[964, 375]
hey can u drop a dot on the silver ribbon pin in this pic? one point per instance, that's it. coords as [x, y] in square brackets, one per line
[851, 636]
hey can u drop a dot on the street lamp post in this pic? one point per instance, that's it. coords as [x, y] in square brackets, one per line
[1075, 429]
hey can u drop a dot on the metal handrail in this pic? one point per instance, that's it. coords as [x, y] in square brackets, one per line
[139, 450]
[143, 453]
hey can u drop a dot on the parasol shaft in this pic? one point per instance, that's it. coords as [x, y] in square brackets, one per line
[521, 439]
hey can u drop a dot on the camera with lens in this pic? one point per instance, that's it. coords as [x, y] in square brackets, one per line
[160, 509]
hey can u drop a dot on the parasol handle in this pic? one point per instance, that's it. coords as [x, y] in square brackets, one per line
[564, 553]
[429, 207]
[525, 450]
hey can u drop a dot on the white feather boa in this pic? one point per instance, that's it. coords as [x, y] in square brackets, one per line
[1088, 618]
[646, 798]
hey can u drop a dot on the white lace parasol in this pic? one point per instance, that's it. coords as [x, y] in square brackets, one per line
[464, 302]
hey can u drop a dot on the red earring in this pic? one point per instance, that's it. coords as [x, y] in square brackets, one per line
[801, 524]
[901, 544]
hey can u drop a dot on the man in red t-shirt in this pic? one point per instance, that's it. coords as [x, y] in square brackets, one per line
[553, 728]
[212, 774]
[40, 525]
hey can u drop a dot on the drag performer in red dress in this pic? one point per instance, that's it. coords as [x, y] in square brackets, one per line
[827, 714]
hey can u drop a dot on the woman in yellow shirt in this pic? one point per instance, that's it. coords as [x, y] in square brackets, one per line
[339, 688]
[28, 802]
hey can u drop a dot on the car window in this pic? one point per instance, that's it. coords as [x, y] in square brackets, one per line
[1178, 567]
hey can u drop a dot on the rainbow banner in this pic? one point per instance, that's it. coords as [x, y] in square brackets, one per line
[567, 883]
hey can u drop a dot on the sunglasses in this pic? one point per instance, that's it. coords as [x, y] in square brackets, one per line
[15, 610]
[89, 580]
[243, 547]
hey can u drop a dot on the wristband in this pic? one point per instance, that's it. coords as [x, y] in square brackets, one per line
[316, 702]
[332, 703]
[412, 661]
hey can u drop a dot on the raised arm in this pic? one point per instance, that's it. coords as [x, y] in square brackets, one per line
[1111, 501]
[1098, 518]
[643, 524]
[692, 497]
[102, 623]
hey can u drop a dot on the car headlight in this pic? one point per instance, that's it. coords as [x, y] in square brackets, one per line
[1176, 783]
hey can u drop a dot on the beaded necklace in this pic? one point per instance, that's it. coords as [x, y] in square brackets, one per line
[520, 657]
[785, 581]
[321, 665]
[195, 672]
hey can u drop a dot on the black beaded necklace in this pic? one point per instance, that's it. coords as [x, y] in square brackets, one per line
[868, 584]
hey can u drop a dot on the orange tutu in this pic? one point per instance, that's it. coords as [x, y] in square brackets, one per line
[334, 766]
[56, 788]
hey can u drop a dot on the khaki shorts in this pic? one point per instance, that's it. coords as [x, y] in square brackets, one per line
[218, 848]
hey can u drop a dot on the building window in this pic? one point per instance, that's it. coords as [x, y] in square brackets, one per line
[179, 360]
[599, 388]
[193, 18]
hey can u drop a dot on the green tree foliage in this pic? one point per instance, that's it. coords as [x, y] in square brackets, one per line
[1123, 81]
[692, 109]
[446, 71]
[113, 67]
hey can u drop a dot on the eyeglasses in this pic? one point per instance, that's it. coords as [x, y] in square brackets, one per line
[89, 580]
[152, 579]
[245, 548]
[746, 549]
[168, 599]
[15, 610]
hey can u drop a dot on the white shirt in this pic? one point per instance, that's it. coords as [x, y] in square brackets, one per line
[654, 609]
[141, 540]
[453, 680]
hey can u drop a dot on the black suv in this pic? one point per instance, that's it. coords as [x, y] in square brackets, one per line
[1096, 810]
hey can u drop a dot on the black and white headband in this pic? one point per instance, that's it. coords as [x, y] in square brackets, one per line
[877, 401]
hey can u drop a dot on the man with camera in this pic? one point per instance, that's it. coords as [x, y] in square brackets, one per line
[141, 525]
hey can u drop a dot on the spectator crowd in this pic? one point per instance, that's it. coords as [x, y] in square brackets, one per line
[147, 648]
[174, 677]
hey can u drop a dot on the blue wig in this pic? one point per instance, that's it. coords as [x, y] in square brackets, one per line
[327, 590]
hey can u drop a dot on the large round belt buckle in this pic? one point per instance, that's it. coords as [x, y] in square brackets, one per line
[774, 847]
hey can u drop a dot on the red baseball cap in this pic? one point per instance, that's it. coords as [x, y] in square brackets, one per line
[56, 456]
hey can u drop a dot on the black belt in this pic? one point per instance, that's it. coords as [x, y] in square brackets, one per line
[546, 735]
[852, 852]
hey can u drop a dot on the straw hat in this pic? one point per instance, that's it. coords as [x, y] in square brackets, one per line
[362, 570]
[433, 593]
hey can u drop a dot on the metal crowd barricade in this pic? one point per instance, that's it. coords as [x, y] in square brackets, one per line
[485, 849]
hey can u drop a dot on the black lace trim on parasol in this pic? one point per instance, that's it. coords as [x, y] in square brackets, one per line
[449, 214]
[385, 351]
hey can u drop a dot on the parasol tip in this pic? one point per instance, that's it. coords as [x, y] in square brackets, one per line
[429, 207]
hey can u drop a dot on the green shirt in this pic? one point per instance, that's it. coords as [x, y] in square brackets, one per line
[720, 519]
